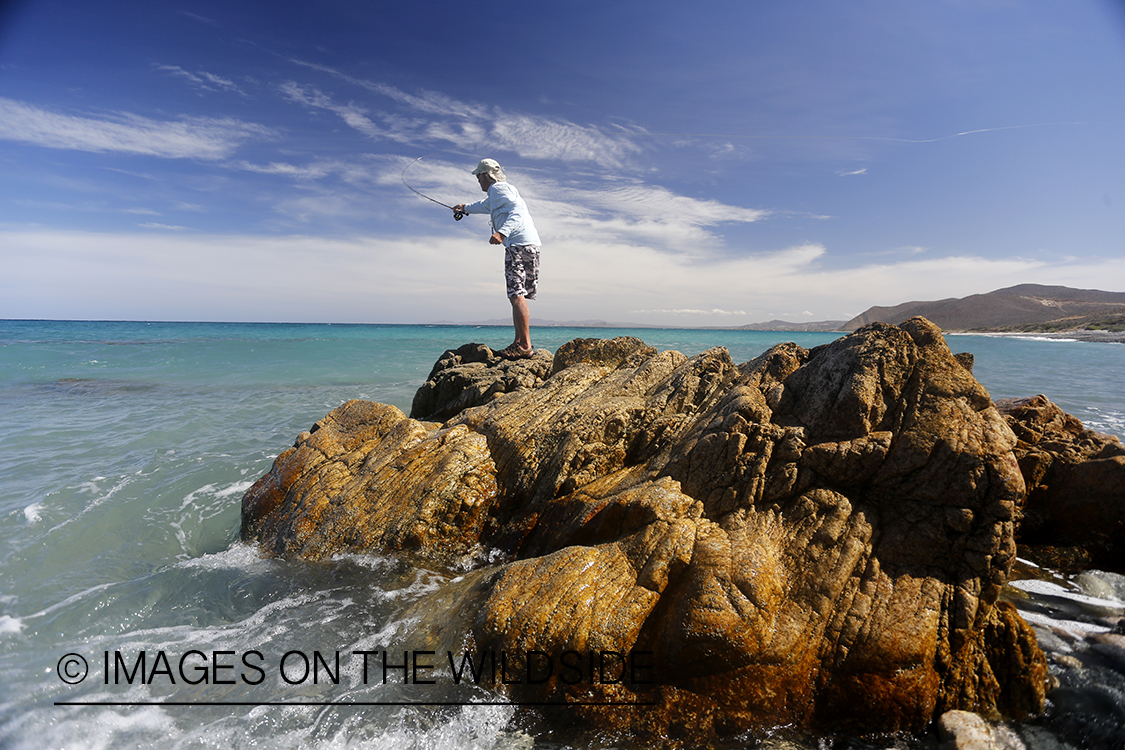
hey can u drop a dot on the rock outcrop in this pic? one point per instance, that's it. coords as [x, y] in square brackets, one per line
[814, 538]
[1074, 518]
[474, 375]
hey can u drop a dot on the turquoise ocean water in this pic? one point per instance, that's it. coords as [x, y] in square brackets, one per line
[125, 449]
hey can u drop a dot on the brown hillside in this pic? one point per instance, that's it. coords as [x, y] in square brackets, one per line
[1011, 308]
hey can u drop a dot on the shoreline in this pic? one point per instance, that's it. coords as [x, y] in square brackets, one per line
[1100, 337]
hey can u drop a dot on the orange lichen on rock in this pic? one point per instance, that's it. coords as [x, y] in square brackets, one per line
[813, 538]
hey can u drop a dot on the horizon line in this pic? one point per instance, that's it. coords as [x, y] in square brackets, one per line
[440, 324]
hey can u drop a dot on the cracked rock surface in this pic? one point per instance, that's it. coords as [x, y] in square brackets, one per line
[814, 538]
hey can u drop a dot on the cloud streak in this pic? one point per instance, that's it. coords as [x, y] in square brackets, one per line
[714, 311]
[156, 225]
[188, 138]
[202, 79]
[355, 116]
[439, 117]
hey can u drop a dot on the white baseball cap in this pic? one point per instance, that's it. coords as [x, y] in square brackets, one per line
[490, 167]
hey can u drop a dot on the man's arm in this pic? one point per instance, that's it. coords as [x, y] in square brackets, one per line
[480, 207]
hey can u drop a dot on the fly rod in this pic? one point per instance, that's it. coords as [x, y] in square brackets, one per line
[458, 215]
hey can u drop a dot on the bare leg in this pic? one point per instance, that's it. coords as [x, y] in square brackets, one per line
[521, 321]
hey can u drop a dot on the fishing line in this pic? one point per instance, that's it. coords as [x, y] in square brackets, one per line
[457, 216]
[418, 192]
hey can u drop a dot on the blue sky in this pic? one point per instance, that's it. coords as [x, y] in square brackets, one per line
[706, 163]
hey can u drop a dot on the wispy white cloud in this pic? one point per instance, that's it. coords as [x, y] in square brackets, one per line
[642, 202]
[355, 116]
[688, 311]
[468, 125]
[648, 215]
[187, 138]
[429, 102]
[202, 19]
[543, 138]
[314, 171]
[853, 172]
[156, 225]
[202, 79]
[898, 252]
[724, 153]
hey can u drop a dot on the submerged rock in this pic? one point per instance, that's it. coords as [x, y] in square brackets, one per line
[814, 538]
[1074, 518]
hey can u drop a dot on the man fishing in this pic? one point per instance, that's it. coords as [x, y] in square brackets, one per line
[513, 228]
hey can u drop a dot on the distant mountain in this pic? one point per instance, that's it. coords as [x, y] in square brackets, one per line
[1022, 307]
[784, 325]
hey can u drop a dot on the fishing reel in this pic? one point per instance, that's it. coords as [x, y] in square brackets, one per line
[458, 215]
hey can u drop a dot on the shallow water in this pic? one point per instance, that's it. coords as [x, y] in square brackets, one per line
[125, 449]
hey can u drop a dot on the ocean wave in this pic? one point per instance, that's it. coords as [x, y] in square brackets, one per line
[1105, 420]
[238, 556]
[1015, 335]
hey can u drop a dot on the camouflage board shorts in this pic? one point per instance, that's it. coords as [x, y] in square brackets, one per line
[521, 270]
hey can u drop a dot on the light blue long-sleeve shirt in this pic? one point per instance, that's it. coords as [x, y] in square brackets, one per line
[509, 213]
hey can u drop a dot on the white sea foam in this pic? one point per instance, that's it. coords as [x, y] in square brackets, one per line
[10, 625]
[1105, 420]
[238, 555]
[1046, 588]
[32, 513]
[472, 728]
[274, 622]
[1075, 627]
[91, 729]
[219, 492]
[284, 728]
[425, 582]
[1014, 335]
[377, 563]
